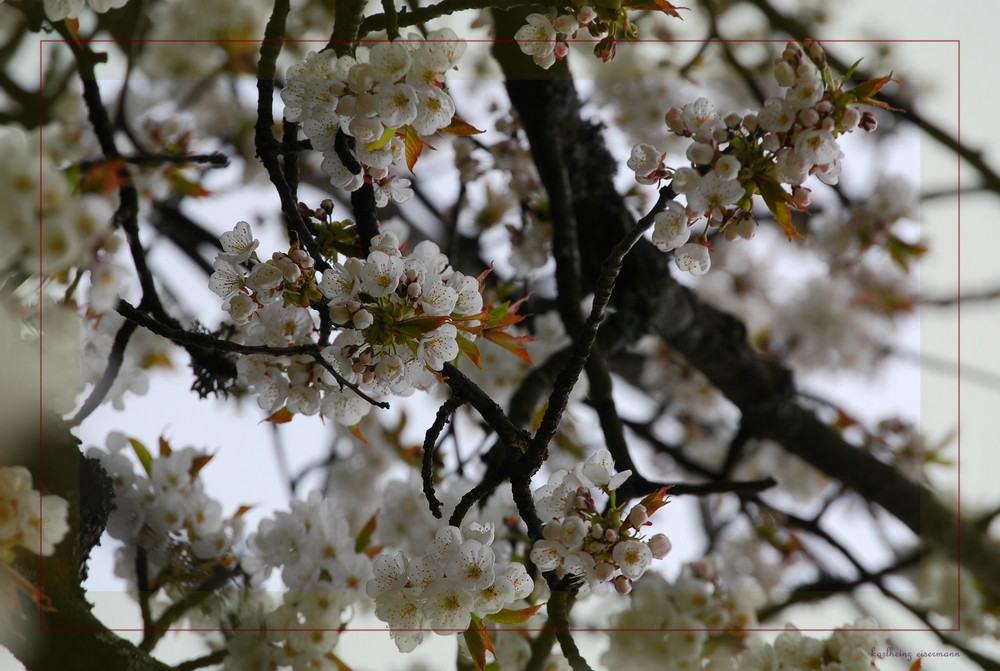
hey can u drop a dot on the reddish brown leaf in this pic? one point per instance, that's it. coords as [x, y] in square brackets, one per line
[414, 146]
[478, 640]
[199, 463]
[469, 349]
[508, 616]
[73, 27]
[103, 178]
[356, 430]
[510, 343]
[282, 416]
[461, 127]
[165, 450]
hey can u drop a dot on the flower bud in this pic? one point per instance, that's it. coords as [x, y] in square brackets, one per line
[623, 585]
[604, 571]
[659, 545]
[610, 535]
[606, 48]
[362, 319]
[868, 122]
[638, 515]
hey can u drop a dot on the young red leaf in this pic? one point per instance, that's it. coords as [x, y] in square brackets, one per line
[414, 146]
[469, 349]
[282, 416]
[341, 666]
[510, 343]
[508, 616]
[461, 127]
[478, 640]
[199, 463]
[777, 200]
[356, 430]
[165, 450]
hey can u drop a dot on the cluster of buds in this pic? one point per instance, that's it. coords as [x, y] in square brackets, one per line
[734, 157]
[545, 37]
[596, 548]
[288, 276]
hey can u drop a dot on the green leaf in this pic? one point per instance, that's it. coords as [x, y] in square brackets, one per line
[145, 458]
[387, 135]
[850, 70]
[365, 535]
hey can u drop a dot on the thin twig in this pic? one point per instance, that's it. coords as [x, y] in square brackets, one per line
[103, 386]
[444, 414]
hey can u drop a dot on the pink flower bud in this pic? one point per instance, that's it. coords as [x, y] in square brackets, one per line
[610, 535]
[606, 48]
[604, 571]
[586, 15]
[638, 515]
[623, 585]
[566, 24]
[659, 545]
[675, 120]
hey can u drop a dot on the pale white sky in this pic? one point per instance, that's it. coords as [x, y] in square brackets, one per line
[241, 441]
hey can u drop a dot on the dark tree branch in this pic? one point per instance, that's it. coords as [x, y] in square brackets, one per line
[103, 386]
[205, 341]
[648, 299]
[268, 148]
[443, 416]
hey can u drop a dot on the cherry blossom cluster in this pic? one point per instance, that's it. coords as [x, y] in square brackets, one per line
[399, 320]
[194, 40]
[400, 316]
[847, 649]
[545, 37]
[271, 298]
[163, 509]
[594, 547]
[76, 231]
[58, 10]
[457, 577]
[671, 619]
[324, 572]
[843, 234]
[28, 519]
[736, 156]
[383, 97]
[145, 352]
